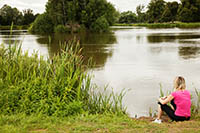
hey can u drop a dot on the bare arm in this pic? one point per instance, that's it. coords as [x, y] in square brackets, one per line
[165, 100]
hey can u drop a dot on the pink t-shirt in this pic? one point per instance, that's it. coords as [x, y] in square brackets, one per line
[182, 99]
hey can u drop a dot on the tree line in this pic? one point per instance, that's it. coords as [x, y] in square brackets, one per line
[9, 15]
[98, 15]
[75, 15]
[162, 11]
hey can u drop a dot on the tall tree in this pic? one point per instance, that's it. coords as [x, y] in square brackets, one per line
[189, 11]
[62, 11]
[9, 15]
[82, 12]
[155, 10]
[141, 13]
[170, 12]
[29, 17]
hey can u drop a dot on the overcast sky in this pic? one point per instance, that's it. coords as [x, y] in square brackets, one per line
[38, 6]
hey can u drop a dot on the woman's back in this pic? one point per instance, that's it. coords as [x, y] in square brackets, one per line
[182, 99]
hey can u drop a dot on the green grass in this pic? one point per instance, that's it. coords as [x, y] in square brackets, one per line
[164, 25]
[90, 123]
[123, 24]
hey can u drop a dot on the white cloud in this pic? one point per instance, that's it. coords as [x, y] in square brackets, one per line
[38, 6]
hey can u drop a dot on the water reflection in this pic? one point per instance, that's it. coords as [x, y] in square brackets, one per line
[11, 41]
[11, 37]
[189, 52]
[136, 58]
[159, 38]
[187, 43]
[96, 46]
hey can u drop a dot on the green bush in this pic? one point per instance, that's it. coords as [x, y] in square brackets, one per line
[42, 24]
[128, 17]
[100, 25]
[62, 29]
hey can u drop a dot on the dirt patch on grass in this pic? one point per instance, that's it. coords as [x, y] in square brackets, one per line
[165, 119]
[38, 131]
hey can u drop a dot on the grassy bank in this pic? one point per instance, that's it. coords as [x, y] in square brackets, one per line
[92, 123]
[164, 25]
[15, 27]
[56, 95]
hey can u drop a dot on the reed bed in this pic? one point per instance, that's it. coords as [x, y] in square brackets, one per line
[57, 86]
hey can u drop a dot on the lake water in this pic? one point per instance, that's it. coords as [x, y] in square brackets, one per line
[134, 58]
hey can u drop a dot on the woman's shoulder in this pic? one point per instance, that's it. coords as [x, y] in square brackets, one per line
[174, 93]
[187, 91]
[180, 92]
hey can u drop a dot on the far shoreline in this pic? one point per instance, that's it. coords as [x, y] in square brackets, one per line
[163, 25]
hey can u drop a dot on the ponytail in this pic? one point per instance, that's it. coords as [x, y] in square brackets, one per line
[179, 83]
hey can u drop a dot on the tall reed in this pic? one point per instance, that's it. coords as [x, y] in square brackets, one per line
[57, 86]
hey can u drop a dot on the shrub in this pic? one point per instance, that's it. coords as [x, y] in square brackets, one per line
[42, 24]
[128, 17]
[62, 29]
[100, 25]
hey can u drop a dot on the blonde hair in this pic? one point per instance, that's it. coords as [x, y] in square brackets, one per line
[179, 83]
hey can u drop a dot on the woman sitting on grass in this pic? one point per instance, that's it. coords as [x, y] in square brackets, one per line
[180, 100]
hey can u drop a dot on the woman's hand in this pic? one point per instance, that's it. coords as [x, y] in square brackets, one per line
[165, 100]
[162, 98]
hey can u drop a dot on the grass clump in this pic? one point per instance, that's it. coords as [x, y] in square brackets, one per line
[59, 86]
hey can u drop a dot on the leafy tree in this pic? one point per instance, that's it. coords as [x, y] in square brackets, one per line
[155, 10]
[142, 17]
[98, 8]
[100, 25]
[170, 12]
[9, 15]
[82, 12]
[189, 11]
[62, 11]
[111, 14]
[29, 17]
[128, 17]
